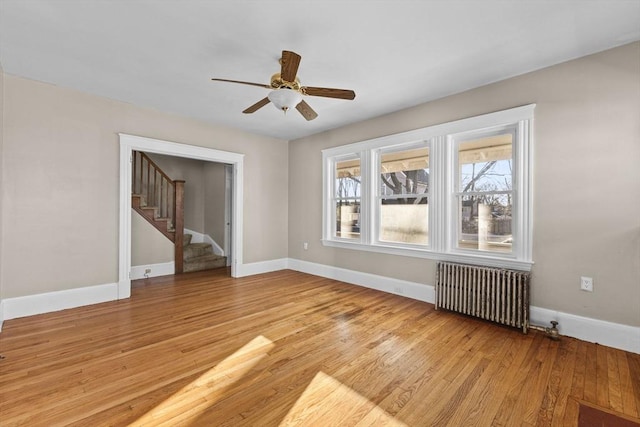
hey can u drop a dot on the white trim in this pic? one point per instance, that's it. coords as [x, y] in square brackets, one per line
[124, 243]
[470, 258]
[204, 238]
[160, 269]
[623, 337]
[129, 143]
[59, 300]
[228, 194]
[262, 267]
[498, 118]
[418, 291]
[1, 314]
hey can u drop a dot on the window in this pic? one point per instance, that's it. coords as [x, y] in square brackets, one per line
[458, 191]
[403, 195]
[347, 197]
[484, 195]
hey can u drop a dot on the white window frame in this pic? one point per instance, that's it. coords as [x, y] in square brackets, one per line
[454, 142]
[442, 188]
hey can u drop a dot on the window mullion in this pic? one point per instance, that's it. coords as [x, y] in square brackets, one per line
[438, 224]
[328, 203]
[374, 163]
[366, 205]
[523, 189]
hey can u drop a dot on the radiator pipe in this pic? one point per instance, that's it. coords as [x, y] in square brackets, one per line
[551, 332]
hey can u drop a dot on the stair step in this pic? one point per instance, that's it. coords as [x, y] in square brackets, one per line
[138, 200]
[193, 250]
[186, 239]
[151, 210]
[204, 262]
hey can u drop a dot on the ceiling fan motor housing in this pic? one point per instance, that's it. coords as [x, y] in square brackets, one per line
[278, 83]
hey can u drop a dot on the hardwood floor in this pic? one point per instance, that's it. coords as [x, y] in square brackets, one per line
[287, 348]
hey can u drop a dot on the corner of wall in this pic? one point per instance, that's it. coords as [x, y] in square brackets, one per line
[1, 187]
[1, 314]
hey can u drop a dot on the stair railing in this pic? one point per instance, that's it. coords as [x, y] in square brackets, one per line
[159, 190]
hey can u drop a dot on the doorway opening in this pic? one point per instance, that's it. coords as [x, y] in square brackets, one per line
[233, 197]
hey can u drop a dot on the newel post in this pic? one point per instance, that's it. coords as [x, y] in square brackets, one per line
[178, 216]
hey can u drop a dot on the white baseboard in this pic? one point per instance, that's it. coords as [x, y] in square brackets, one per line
[419, 291]
[161, 269]
[58, 300]
[205, 238]
[1, 314]
[243, 270]
[615, 335]
[611, 334]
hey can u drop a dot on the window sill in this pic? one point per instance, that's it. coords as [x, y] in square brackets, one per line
[482, 259]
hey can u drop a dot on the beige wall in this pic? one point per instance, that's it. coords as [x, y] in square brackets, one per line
[148, 245]
[214, 193]
[586, 182]
[61, 184]
[1, 179]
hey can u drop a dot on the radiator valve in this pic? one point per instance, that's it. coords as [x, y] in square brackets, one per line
[553, 332]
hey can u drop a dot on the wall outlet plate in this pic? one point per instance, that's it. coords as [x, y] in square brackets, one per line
[586, 284]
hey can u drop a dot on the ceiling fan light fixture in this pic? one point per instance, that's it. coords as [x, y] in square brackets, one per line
[286, 92]
[285, 99]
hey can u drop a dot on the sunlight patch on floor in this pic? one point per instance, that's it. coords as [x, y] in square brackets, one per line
[197, 396]
[328, 402]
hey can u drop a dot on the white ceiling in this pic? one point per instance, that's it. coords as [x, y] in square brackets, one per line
[394, 54]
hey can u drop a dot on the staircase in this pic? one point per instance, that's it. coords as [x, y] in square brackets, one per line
[160, 200]
[200, 256]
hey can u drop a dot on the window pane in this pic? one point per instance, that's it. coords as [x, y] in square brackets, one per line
[486, 164]
[404, 220]
[404, 172]
[348, 219]
[485, 222]
[348, 178]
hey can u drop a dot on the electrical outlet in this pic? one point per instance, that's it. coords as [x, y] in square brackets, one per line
[305, 246]
[586, 284]
[147, 270]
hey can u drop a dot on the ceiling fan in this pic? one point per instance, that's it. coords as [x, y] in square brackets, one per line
[287, 92]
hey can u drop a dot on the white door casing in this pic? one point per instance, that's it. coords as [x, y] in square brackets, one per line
[129, 143]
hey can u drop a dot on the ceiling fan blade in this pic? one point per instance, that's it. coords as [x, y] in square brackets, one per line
[328, 92]
[290, 62]
[306, 111]
[243, 83]
[258, 105]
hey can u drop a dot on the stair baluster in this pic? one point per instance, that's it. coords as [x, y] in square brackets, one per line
[166, 213]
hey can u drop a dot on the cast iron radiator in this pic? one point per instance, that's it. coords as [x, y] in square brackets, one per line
[494, 294]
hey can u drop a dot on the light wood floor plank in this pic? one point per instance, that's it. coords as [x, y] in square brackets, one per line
[287, 348]
[626, 386]
[566, 372]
